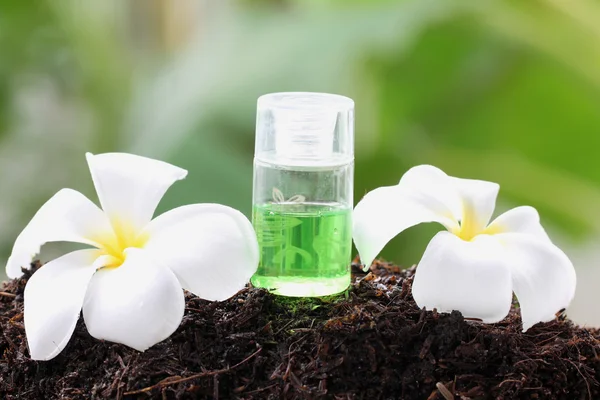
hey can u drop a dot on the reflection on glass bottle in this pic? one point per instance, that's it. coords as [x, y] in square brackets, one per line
[299, 239]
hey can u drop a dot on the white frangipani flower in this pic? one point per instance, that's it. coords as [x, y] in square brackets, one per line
[474, 267]
[130, 284]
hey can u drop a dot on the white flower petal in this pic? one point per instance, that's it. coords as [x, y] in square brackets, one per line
[130, 187]
[478, 202]
[424, 194]
[543, 277]
[67, 216]
[211, 248]
[523, 219]
[468, 276]
[137, 304]
[433, 189]
[53, 299]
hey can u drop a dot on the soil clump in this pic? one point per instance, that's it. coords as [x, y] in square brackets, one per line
[371, 342]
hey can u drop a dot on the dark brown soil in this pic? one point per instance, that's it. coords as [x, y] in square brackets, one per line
[369, 343]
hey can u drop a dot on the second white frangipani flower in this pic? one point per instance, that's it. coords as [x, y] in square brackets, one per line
[130, 284]
[474, 267]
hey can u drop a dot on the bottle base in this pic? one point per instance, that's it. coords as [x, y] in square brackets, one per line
[302, 286]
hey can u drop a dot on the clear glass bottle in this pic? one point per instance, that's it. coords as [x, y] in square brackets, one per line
[302, 199]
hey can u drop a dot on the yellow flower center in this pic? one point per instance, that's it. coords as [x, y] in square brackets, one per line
[468, 227]
[113, 244]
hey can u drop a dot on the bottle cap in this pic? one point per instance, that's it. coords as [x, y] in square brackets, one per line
[305, 129]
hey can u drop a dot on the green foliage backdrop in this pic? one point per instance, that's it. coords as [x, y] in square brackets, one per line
[502, 90]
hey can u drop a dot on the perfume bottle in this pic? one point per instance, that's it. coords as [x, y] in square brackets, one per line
[302, 198]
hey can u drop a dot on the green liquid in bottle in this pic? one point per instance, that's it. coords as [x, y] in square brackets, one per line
[305, 248]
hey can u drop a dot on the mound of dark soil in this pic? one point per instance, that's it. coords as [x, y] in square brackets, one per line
[372, 342]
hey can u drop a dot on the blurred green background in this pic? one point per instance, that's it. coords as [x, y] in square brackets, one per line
[507, 91]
